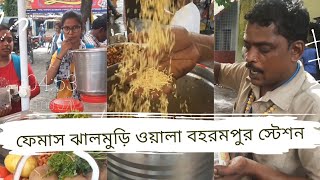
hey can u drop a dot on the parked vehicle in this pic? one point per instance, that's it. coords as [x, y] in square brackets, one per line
[35, 42]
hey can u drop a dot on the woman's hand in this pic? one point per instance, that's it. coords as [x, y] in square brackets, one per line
[65, 47]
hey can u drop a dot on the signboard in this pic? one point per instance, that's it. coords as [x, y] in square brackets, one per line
[56, 6]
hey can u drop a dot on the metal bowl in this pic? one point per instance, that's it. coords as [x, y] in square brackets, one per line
[196, 89]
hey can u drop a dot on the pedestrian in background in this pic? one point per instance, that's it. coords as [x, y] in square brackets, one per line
[98, 33]
[54, 45]
[42, 31]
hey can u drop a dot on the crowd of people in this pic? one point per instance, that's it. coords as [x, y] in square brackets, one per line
[272, 80]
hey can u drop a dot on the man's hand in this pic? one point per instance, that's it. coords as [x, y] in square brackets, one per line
[236, 169]
[184, 55]
[181, 60]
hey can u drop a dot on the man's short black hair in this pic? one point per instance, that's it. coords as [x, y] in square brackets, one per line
[289, 16]
[100, 22]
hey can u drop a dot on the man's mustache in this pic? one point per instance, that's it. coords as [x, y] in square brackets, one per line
[252, 67]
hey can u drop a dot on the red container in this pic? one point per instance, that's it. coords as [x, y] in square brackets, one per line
[93, 99]
[94, 103]
[64, 105]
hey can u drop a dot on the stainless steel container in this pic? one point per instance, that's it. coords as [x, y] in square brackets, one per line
[187, 166]
[197, 89]
[90, 70]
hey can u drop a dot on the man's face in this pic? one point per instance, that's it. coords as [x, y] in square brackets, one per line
[102, 35]
[268, 56]
[6, 43]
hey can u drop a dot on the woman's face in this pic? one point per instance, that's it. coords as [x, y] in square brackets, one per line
[57, 29]
[72, 29]
[6, 43]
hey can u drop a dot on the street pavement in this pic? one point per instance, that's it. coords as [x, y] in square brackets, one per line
[47, 93]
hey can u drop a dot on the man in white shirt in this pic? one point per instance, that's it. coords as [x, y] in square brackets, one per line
[188, 16]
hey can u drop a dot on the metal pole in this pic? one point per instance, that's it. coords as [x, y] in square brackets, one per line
[24, 90]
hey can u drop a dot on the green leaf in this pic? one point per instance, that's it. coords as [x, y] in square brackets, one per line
[10, 8]
[225, 3]
[67, 164]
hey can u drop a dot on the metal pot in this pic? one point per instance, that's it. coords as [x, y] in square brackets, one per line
[90, 70]
[196, 89]
[186, 166]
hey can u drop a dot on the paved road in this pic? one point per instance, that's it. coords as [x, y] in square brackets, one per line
[41, 102]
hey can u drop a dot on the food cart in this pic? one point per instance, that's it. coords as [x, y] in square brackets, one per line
[156, 166]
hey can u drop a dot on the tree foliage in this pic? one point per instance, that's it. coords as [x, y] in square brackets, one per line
[225, 3]
[10, 8]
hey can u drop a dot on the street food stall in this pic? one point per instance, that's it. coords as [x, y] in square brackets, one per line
[93, 69]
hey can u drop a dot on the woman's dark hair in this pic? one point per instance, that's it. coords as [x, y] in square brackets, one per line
[4, 27]
[290, 18]
[71, 15]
